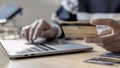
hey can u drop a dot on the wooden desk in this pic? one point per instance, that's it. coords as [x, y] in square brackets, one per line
[59, 61]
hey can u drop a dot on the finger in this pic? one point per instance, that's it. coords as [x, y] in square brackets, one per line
[97, 39]
[102, 39]
[39, 28]
[105, 32]
[114, 47]
[25, 32]
[22, 33]
[108, 22]
[32, 29]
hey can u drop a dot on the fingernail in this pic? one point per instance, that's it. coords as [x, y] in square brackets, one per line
[88, 40]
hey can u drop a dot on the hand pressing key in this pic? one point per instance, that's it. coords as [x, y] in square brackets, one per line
[39, 28]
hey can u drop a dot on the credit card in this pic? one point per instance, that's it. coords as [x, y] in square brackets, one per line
[111, 55]
[78, 29]
[104, 61]
[99, 61]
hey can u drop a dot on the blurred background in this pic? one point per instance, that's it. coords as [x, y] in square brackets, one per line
[34, 9]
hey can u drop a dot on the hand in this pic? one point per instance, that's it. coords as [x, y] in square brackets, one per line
[109, 39]
[39, 28]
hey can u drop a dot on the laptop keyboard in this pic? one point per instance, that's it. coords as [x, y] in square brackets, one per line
[42, 48]
[37, 48]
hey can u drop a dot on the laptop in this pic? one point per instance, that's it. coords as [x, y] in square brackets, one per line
[4, 60]
[21, 48]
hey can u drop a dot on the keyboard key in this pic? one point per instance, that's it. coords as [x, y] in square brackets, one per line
[36, 49]
[45, 48]
[21, 52]
[29, 50]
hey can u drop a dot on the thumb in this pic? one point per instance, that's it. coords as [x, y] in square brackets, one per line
[106, 21]
[103, 39]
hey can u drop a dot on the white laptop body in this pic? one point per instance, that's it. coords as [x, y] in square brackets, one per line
[21, 48]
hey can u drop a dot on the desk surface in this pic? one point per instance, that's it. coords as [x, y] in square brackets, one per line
[74, 60]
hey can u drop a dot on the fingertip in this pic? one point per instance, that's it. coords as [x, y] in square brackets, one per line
[94, 21]
[22, 33]
[88, 40]
[34, 37]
